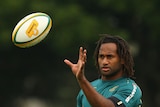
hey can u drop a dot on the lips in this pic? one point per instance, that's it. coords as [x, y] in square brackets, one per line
[105, 69]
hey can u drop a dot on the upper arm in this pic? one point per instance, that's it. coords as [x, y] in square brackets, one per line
[117, 102]
[129, 97]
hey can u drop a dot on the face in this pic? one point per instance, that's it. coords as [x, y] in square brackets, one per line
[110, 65]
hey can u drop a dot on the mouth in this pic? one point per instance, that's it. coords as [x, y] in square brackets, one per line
[105, 69]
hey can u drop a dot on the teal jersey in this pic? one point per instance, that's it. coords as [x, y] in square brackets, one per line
[124, 89]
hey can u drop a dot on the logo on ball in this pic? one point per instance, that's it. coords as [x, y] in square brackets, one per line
[32, 29]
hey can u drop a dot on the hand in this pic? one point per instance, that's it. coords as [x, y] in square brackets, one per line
[78, 69]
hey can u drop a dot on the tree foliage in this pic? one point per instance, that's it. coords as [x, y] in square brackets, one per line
[39, 72]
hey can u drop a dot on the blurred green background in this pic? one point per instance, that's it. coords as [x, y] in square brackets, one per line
[38, 77]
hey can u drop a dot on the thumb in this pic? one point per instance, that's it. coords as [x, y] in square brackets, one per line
[69, 63]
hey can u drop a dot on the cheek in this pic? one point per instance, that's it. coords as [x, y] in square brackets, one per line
[99, 61]
[117, 65]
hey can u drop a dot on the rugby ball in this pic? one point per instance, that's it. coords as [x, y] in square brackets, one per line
[31, 30]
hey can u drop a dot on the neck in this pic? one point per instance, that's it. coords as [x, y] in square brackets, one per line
[112, 77]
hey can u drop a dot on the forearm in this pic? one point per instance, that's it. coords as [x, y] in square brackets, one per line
[94, 98]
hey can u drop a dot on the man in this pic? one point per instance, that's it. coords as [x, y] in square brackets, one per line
[115, 87]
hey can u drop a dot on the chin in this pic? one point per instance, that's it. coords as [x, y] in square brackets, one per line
[109, 74]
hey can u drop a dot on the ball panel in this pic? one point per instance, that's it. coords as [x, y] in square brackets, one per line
[37, 40]
[31, 30]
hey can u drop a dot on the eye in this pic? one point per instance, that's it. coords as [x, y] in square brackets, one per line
[101, 56]
[109, 56]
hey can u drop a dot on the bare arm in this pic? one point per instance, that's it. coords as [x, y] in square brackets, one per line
[94, 98]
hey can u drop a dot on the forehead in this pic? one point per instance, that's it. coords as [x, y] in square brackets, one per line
[108, 48]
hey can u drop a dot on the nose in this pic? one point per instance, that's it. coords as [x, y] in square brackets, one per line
[105, 61]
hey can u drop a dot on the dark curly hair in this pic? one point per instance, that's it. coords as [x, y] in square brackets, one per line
[122, 51]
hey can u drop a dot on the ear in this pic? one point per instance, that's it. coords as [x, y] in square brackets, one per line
[122, 61]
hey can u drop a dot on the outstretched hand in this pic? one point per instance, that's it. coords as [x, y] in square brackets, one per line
[78, 68]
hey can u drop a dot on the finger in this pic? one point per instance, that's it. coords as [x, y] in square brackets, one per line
[69, 63]
[85, 55]
[80, 53]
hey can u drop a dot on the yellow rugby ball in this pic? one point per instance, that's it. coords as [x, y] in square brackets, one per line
[31, 30]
